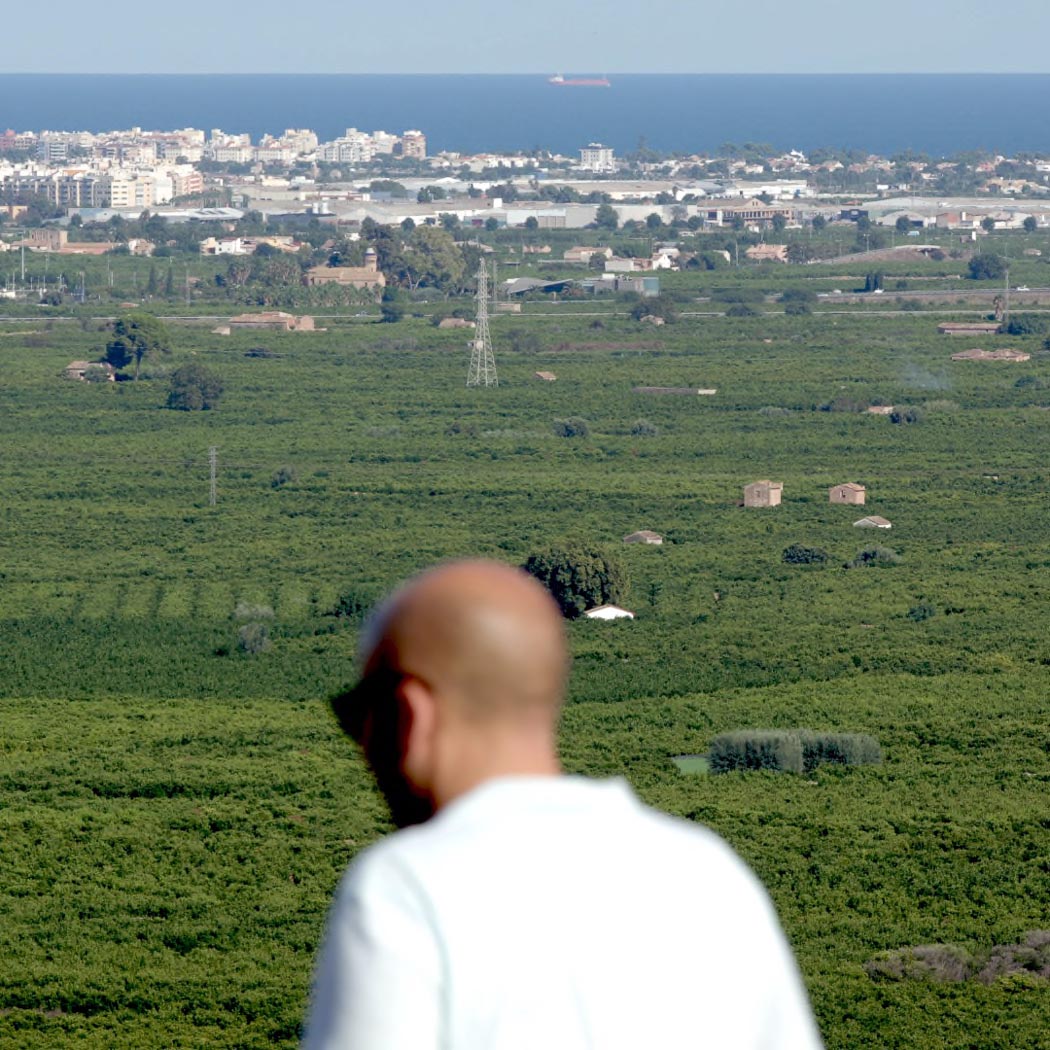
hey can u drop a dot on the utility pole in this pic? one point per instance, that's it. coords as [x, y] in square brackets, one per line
[213, 463]
[482, 371]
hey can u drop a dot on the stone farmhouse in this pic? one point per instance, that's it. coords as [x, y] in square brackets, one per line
[969, 328]
[367, 277]
[276, 320]
[584, 253]
[96, 369]
[850, 492]
[763, 493]
[768, 253]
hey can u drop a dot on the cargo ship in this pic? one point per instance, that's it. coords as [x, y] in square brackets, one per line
[559, 81]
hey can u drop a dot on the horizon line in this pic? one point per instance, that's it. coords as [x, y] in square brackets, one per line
[526, 73]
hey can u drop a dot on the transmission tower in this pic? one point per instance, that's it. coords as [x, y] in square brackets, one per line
[482, 370]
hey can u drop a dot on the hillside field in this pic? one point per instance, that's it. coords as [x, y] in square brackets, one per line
[175, 813]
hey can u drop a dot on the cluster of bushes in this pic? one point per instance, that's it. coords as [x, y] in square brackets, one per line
[662, 306]
[790, 750]
[877, 557]
[1027, 324]
[797, 554]
[285, 475]
[798, 302]
[738, 295]
[253, 632]
[571, 427]
[1029, 959]
[1033, 382]
[906, 414]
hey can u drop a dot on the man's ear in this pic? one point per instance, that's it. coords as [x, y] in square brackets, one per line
[417, 720]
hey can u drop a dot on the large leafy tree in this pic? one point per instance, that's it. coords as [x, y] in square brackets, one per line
[606, 217]
[434, 259]
[987, 267]
[579, 576]
[194, 388]
[134, 336]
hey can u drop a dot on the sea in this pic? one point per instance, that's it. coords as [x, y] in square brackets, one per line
[937, 114]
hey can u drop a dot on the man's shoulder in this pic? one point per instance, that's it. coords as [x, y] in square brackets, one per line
[566, 814]
[385, 879]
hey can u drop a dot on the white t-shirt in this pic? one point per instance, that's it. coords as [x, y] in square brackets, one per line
[555, 913]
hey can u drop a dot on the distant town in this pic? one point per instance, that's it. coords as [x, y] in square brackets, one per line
[82, 178]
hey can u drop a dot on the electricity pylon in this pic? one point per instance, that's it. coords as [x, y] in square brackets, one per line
[482, 371]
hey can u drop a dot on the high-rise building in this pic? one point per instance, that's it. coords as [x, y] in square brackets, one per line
[414, 144]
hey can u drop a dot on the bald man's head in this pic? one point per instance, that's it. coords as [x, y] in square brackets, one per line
[487, 637]
[463, 675]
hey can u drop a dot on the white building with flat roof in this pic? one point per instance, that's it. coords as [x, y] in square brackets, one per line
[596, 157]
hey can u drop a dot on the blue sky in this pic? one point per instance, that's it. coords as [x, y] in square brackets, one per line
[529, 36]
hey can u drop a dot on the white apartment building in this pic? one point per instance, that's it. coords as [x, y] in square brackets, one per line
[231, 154]
[301, 140]
[274, 154]
[383, 142]
[218, 137]
[597, 158]
[180, 151]
[50, 151]
[186, 181]
[355, 147]
[121, 190]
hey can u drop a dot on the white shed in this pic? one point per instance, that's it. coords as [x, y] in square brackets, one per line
[872, 522]
[609, 612]
[644, 536]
